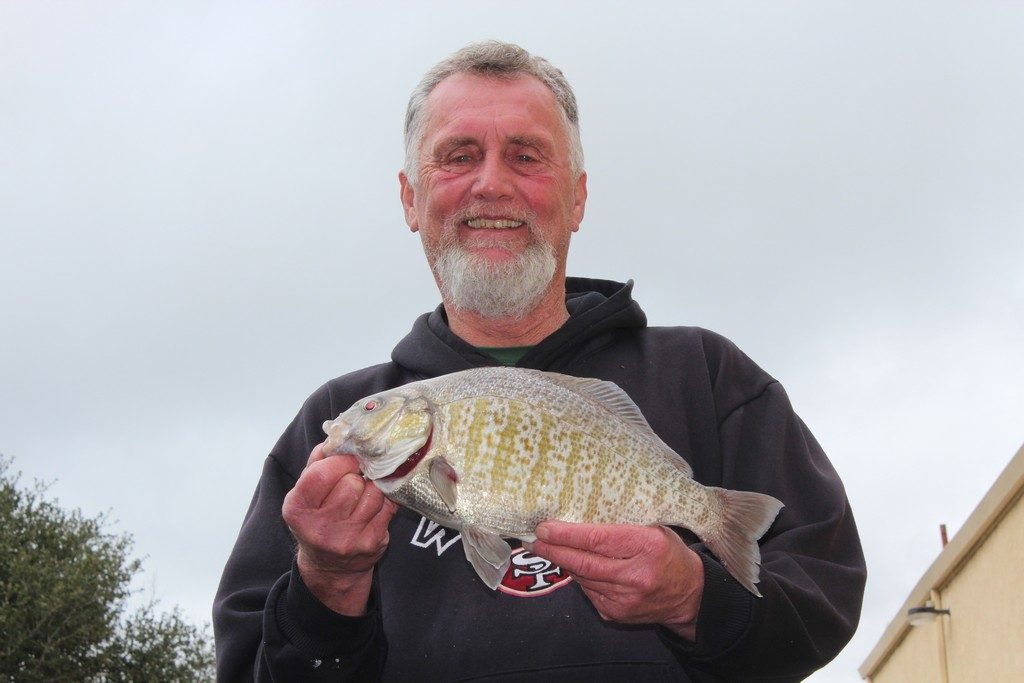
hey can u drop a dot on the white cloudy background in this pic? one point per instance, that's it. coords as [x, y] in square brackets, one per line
[200, 224]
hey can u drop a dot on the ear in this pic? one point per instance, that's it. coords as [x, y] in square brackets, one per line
[407, 194]
[580, 201]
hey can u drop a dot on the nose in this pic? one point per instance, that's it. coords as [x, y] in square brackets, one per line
[494, 179]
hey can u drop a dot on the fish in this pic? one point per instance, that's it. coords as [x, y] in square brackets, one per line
[493, 452]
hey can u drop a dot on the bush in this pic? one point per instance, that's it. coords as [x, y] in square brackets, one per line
[64, 587]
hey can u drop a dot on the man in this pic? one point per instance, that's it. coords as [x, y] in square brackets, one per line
[331, 581]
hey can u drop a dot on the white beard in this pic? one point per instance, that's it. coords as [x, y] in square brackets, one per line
[495, 290]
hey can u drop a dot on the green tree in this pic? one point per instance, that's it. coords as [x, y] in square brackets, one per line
[64, 588]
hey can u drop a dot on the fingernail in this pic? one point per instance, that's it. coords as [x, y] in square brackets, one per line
[528, 546]
[541, 532]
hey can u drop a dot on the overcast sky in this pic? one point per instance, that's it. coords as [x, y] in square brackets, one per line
[200, 225]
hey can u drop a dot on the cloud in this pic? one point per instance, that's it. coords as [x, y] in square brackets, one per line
[201, 225]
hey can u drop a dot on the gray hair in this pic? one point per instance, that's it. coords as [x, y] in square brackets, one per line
[497, 60]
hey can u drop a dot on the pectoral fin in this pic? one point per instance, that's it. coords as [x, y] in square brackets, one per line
[488, 553]
[445, 480]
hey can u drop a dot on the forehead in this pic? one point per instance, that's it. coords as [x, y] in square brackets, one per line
[471, 105]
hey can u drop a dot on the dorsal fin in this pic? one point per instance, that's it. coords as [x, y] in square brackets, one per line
[615, 400]
[608, 394]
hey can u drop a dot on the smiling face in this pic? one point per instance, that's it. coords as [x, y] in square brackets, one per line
[496, 200]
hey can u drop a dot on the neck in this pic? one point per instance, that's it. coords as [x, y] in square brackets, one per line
[549, 315]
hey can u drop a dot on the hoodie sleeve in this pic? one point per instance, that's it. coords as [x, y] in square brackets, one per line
[267, 625]
[812, 572]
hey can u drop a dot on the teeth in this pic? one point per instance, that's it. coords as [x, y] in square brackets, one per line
[500, 223]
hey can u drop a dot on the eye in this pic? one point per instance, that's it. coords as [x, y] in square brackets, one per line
[459, 161]
[371, 405]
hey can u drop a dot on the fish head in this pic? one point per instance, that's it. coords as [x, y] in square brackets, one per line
[382, 431]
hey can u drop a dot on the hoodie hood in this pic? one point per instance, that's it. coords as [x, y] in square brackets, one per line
[597, 308]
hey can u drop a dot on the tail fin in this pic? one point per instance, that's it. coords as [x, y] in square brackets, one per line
[746, 516]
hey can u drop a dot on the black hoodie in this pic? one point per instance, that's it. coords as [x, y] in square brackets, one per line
[430, 618]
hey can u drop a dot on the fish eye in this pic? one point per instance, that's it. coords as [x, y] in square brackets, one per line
[371, 405]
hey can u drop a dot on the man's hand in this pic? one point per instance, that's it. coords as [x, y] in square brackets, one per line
[632, 575]
[340, 521]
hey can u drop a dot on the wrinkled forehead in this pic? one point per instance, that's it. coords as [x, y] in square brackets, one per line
[522, 105]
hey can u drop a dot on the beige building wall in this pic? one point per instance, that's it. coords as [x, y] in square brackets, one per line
[979, 577]
[915, 659]
[987, 643]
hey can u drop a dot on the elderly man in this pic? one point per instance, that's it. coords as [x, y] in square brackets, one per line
[329, 580]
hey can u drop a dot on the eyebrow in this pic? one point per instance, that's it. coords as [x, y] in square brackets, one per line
[523, 140]
[453, 143]
[530, 141]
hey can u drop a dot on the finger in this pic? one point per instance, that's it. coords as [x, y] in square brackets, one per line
[320, 452]
[320, 479]
[611, 540]
[599, 601]
[370, 504]
[345, 496]
[579, 563]
[316, 454]
[629, 604]
[601, 590]
[609, 608]
[378, 526]
[340, 465]
[312, 486]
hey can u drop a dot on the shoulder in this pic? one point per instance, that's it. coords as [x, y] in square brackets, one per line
[730, 374]
[697, 345]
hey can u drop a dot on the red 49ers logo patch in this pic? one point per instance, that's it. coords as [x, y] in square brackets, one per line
[530, 575]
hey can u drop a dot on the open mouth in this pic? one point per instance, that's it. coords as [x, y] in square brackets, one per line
[411, 462]
[493, 223]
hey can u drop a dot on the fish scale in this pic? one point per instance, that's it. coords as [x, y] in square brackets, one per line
[513, 446]
[495, 451]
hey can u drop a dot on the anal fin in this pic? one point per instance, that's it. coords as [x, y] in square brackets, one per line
[488, 552]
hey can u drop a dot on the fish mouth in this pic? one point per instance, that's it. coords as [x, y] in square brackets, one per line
[410, 463]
